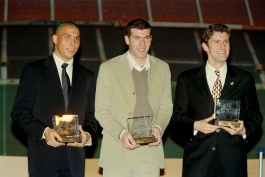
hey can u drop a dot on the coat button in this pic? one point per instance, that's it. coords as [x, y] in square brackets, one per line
[213, 149]
[218, 130]
[130, 113]
[133, 93]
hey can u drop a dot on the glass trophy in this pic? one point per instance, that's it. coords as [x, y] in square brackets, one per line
[227, 111]
[141, 129]
[67, 127]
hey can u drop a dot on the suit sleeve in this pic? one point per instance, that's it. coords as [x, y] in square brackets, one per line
[103, 104]
[181, 118]
[22, 111]
[91, 124]
[166, 106]
[252, 116]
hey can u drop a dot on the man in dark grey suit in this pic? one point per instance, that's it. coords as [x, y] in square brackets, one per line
[40, 96]
[215, 150]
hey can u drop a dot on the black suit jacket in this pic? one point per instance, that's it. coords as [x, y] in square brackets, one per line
[193, 101]
[39, 97]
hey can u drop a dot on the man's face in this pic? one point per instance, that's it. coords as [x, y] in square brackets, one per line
[67, 42]
[218, 48]
[139, 43]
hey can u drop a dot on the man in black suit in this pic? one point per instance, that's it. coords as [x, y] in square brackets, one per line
[40, 96]
[215, 150]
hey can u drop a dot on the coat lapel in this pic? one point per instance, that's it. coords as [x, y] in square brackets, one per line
[126, 71]
[153, 68]
[229, 83]
[202, 84]
[77, 79]
[52, 73]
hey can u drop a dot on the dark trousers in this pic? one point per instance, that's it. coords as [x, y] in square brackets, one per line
[63, 169]
[215, 168]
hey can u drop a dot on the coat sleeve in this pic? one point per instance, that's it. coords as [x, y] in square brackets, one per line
[251, 114]
[90, 123]
[22, 111]
[104, 97]
[165, 110]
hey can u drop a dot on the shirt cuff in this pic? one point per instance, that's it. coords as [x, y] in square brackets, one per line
[195, 132]
[158, 127]
[43, 137]
[89, 142]
[244, 135]
[121, 133]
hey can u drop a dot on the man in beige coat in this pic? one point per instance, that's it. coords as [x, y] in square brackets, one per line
[131, 85]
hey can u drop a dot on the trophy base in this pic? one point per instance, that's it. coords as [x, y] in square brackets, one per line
[145, 140]
[225, 123]
[70, 139]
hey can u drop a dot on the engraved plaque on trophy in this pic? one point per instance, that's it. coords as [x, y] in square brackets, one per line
[227, 111]
[67, 127]
[141, 129]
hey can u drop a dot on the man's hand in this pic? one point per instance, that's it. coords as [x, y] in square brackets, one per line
[85, 137]
[204, 127]
[50, 137]
[157, 135]
[128, 141]
[235, 131]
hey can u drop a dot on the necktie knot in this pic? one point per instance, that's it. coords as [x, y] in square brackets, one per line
[64, 65]
[217, 72]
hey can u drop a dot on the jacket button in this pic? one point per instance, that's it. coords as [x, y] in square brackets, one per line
[218, 130]
[130, 113]
[213, 149]
[133, 93]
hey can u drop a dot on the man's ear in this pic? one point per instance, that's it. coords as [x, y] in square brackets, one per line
[205, 47]
[54, 38]
[127, 40]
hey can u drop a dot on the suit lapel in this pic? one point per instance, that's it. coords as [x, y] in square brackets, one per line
[151, 73]
[229, 82]
[202, 84]
[126, 71]
[52, 74]
[77, 79]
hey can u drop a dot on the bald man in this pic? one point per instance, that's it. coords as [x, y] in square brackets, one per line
[40, 97]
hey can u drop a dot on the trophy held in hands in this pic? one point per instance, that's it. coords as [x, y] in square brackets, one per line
[67, 126]
[141, 129]
[227, 111]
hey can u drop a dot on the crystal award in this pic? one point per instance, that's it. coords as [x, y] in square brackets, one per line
[67, 127]
[227, 111]
[142, 129]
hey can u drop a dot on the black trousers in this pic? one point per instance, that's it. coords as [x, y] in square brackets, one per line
[63, 169]
[215, 168]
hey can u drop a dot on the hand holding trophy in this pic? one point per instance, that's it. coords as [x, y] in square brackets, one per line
[227, 111]
[142, 129]
[67, 126]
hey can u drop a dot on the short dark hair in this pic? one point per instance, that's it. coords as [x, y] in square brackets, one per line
[208, 33]
[61, 24]
[138, 24]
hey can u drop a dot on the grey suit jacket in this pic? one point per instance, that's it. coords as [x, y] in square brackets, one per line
[115, 102]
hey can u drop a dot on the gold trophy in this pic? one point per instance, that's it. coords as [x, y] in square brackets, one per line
[67, 126]
[142, 129]
[227, 111]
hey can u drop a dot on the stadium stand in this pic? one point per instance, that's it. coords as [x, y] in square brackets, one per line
[174, 11]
